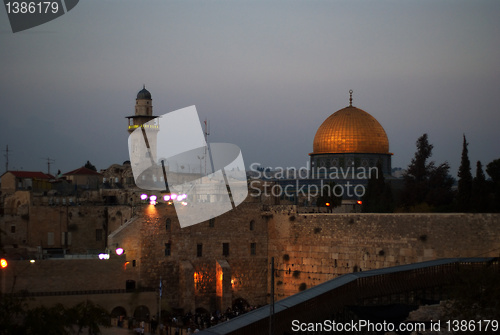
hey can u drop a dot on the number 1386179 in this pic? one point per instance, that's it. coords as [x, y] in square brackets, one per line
[41, 7]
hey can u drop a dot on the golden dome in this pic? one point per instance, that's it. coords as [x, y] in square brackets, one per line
[350, 130]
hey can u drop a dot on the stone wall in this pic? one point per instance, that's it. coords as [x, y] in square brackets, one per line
[312, 248]
[164, 247]
[308, 249]
[59, 275]
[73, 228]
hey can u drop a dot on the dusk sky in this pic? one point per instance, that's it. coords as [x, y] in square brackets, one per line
[265, 74]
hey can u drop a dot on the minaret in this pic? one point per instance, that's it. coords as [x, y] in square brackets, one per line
[143, 110]
[144, 119]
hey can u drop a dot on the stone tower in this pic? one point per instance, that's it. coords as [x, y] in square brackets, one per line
[144, 119]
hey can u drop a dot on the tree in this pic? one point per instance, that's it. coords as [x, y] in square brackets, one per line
[426, 185]
[378, 195]
[88, 315]
[89, 165]
[464, 181]
[480, 191]
[47, 320]
[493, 170]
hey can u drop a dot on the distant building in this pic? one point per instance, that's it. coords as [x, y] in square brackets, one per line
[84, 178]
[13, 181]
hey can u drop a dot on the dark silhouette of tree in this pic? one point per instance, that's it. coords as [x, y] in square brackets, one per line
[17, 319]
[425, 185]
[464, 181]
[89, 165]
[12, 314]
[47, 320]
[480, 191]
[378, 195]
[89, 315]
[493, 170]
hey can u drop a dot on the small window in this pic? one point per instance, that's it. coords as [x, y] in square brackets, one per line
[211, 222]
[98, 234]
[168, 224]
[252, 225]
[199, 250]
[225, 249]
[12, 229]
[167, 249]
[253, 248]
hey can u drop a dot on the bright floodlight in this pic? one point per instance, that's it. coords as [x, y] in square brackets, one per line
[144, 196]
[119, 251]
[166, 197]
[152, 198]
[103, 256]
[3, 263]
[173, 196]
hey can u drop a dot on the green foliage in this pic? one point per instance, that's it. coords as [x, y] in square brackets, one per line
[47, 320]
[493, 170]
[378, 195]
[88, 315]
[425, 183]
[89, 165]
[17, 319]
[12, 314]
[464, 181]
[481, 189]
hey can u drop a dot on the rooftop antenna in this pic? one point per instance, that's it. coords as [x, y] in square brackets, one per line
[206, 133]
[6, 158]
[49, 161]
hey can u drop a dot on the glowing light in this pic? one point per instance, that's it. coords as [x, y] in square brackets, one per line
[32, 261]
[173, 196]
[104, 256]
[125, 265]
[144, 196]
[152, 202]
[360, 202]
[327, 204]
[3, 263]
[184, 203]
[119, 251]
[166, 197]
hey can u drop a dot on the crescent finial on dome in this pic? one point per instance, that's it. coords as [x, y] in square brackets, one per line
[350, 98]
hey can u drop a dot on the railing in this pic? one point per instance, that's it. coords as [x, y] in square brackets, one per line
[329, 299]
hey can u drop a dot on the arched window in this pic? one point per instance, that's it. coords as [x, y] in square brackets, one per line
[168, 224]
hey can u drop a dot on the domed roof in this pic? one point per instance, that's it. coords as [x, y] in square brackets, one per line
[144, 93]
[351, 130]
